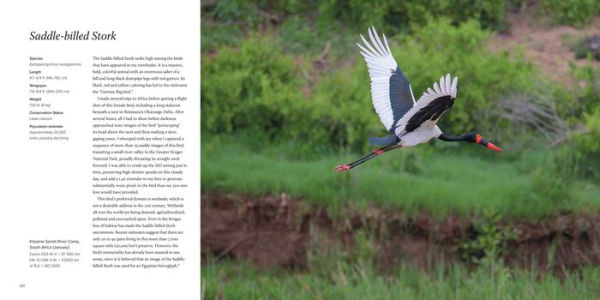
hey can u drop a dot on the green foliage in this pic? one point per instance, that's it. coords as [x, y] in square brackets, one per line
[588, 143]
[254, 88]
[398, 16]
[257, 89]
[518, 5]
[339, 279]
[234, 10]
[297, 35]
[571, 12]
[489, 239]
[582, 48]
[366, 247]
[393, 16]
[285, 6]
[357, 13]
[581, 156]
[551, 185]
[216, 35]
[339, 112]
[588, 92]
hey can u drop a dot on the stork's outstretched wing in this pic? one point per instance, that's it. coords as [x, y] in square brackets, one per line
[429, 108]
[391, 91]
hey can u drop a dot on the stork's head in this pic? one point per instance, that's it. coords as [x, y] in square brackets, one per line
[478, 139]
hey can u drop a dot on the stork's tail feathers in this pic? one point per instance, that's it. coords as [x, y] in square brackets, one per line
[384, 141]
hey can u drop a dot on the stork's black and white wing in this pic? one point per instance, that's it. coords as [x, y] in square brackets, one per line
[390, 90]
[432, 104]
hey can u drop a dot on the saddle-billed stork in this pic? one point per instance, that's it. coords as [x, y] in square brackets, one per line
[410, 123]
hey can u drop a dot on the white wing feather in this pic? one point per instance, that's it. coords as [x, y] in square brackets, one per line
[380, 63]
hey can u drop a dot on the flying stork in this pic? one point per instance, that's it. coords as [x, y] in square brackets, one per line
[410, 123]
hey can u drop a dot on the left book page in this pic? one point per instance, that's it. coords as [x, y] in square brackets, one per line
[100, 158]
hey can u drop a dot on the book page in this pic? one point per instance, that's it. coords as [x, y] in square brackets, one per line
[100, 150]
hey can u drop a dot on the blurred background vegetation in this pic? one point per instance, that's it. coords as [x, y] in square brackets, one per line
[285, 97]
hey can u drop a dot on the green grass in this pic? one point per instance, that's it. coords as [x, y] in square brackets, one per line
[236, 280]
[464, 179]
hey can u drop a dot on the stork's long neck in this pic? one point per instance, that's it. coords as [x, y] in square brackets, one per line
[460, 138]
[469, 137]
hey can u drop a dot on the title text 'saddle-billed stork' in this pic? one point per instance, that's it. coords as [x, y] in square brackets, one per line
[410, 123]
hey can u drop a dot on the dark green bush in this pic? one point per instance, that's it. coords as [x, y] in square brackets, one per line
[588, 146]
[258, 89]
[394, 16]
[550, 185]
[234, 11]
[583, 48]
[253, 88]
[488, 240]
[571, 12]
[216, 35]
[340, 111]
[581, 155]
[588, 91]
[298, 36]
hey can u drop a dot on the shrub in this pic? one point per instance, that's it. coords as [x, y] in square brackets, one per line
[339, 111]
[550, 185]
[216, 35]
[395, 16]
[298, 36]
[580, 155]
[258, 89]
[588, 145]
[588, 91]
[571, 12]
[488, 239]
[234, 10]
[253, 88]
[583, 48]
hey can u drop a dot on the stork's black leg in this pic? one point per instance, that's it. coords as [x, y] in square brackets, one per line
[365, 158]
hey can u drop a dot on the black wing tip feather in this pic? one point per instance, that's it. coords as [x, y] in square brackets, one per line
[432, 112]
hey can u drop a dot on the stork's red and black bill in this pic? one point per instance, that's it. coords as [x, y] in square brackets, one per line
[480, 140]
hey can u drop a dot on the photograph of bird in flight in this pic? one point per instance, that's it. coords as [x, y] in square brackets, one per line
[409, 122]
